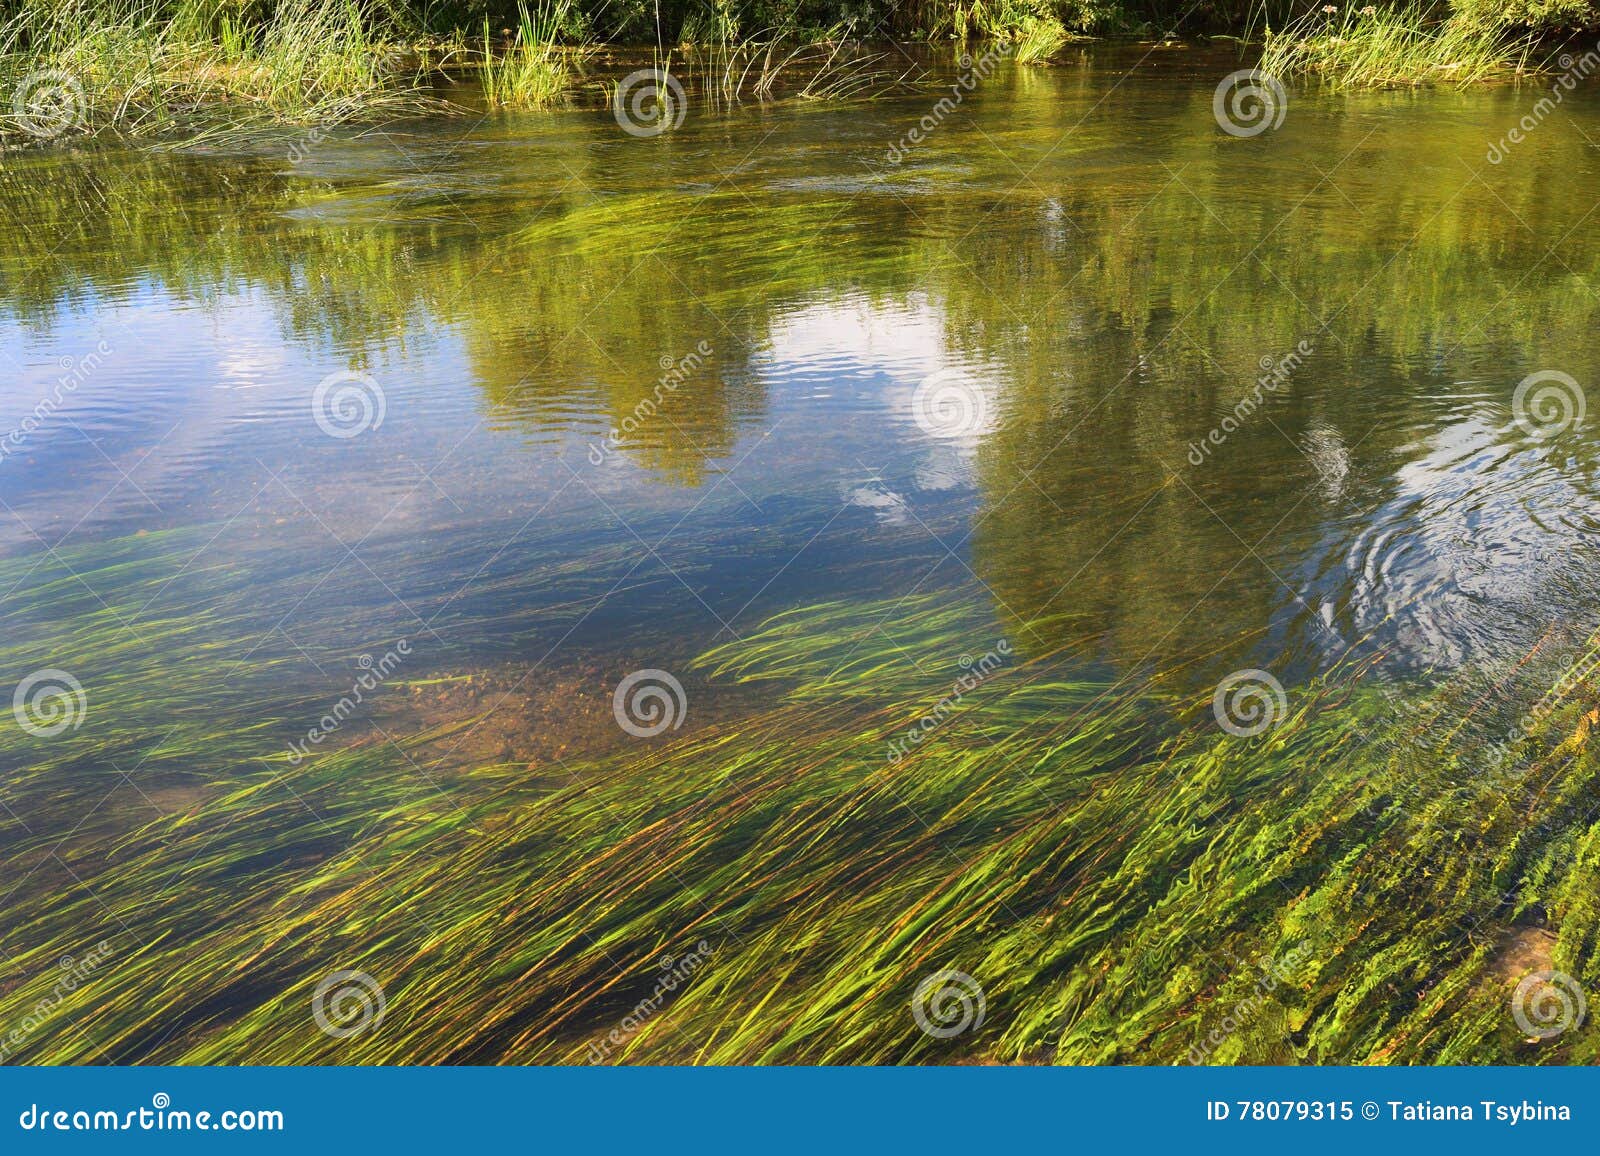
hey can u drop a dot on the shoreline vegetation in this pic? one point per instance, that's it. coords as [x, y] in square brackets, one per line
[205, 70]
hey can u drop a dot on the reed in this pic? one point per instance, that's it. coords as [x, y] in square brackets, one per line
[535, 71]
[140, 68]
[1038, 40]
[210, 69]
[724, 68]
[1400, 46]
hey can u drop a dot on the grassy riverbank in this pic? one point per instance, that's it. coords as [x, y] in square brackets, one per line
[1374, 47]
[193, 68]
[145, 68]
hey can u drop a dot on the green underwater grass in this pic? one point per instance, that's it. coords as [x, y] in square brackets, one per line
[1111, 868]
[1115, 871]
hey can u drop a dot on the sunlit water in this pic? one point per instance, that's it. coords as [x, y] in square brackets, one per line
[1005, 367]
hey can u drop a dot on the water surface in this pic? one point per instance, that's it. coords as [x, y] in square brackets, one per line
[609, 401]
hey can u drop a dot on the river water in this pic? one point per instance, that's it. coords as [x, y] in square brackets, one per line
[542, 402]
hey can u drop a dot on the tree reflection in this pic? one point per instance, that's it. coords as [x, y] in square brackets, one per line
[1121, 294]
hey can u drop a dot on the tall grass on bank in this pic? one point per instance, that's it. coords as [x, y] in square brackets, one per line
[1034, 32]
[1386, 47]
[141, 66]
[535, 71]
[207, 68]
[725, 67]
[1038, 40]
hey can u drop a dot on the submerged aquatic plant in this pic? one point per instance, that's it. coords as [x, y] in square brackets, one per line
[1111, 870]
[1108, 869]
